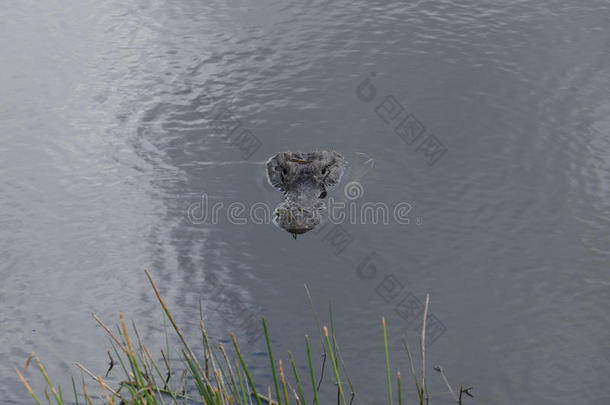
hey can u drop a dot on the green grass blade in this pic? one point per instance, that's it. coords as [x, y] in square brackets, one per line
[202, 386]
[283, 380]
[399, 382]
[131, 389]
[234, 387]
[74, 390]
[387, 360]
[242, 389]
[335, 367]
[272, 362]
[408, 349]
[48, 380]
[245, 367]
[172, 321]
[423, 348]
[338, 351]
[27, 386]
[315, 316]
[314, 386]
[296, 377]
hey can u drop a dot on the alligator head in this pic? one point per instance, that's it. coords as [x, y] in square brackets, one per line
[303, 178]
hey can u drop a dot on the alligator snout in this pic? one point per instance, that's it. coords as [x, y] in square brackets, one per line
[303, 178]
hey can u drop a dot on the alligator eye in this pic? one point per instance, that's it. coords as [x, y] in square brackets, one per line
[324, 171]
[322, 194]
[285, 171]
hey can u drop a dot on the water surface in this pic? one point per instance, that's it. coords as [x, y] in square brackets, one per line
[108, 136]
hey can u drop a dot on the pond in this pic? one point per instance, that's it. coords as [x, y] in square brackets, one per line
[476, 132]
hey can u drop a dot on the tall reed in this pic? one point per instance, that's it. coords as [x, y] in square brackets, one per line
[215, 376]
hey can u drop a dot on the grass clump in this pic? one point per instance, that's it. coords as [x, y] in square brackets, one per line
[214, 376]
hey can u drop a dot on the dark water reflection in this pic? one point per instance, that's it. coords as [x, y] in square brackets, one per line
[108, 137]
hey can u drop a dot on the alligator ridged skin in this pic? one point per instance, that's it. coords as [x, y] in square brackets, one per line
[303, 178]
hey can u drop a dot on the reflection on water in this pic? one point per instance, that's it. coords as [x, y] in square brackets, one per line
[110, 130]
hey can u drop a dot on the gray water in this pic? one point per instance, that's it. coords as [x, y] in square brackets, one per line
[110, 132]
